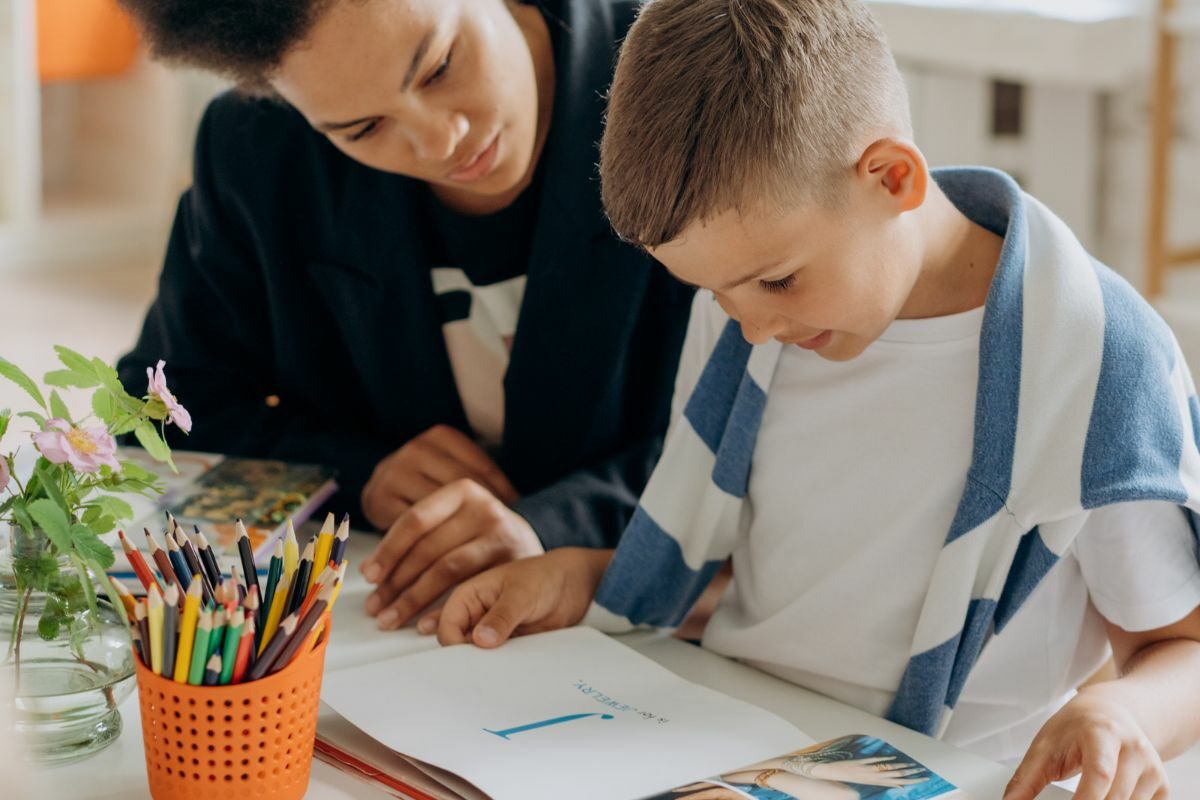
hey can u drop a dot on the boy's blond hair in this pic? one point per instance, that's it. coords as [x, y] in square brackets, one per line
[723, 104]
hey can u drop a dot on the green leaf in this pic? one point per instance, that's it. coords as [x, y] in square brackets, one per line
[49, 485]
[49, 626]
[66, 379]
[103, 406]
[53, 520]
[36, 417]
[136, 472]
[98, 520]
[57, 407]
[37, 572]
[21, 514]
[74, 361]
[13, 373]
[126, 425]
[5, 416]
[90, 547]
[148, 438]
[114, 507]
[108, 377]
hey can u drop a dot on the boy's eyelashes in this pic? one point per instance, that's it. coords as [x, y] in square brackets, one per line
[781, 285]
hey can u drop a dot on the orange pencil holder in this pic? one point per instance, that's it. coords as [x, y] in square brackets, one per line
[242, 740]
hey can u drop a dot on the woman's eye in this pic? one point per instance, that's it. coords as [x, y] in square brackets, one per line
[441, 69]
[365, 132]
[781, 285]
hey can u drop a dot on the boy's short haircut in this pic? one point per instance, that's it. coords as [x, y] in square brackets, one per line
[724, 104]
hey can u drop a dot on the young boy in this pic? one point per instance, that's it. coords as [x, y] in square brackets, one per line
[951, 456]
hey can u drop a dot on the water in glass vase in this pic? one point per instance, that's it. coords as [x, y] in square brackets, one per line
[69, 667]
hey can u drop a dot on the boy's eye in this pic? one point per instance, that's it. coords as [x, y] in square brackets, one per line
[441, 69]
[781, 285]
[365, 131]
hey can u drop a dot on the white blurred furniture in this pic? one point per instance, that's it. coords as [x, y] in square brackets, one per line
[89, 169]
[1020, 85]
[1173, 22]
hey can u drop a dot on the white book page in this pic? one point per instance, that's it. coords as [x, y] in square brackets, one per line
[570, 711]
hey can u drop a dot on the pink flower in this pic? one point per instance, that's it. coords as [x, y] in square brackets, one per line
[87, 449]
[4, 476]
[158, 388]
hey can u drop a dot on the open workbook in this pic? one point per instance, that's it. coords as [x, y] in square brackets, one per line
[577, 714]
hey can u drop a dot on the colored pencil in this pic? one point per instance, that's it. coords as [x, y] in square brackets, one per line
[216, 639]
[274, 647]
[326, 577]
[154, 612]
[245, 646]
[321, 554]
[251, 604]
[135, 634]
[291, 550]
[178, 562]
[142, 616]
[300, 635]
[190, 555]
[200, 647]
[237, 587]
[338, 553]
[212, 672]
[233, 638]
[187, 631]
[207, 557]
[273, 573]
[275, 612]
[170, 627]
[125, 596]
[140, 568]
[247, 554]
[159, 556]
[299, 588]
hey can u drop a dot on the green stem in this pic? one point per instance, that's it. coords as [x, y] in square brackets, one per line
[18, 631]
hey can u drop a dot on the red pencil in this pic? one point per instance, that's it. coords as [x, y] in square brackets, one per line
[140, 568]
[245, 645]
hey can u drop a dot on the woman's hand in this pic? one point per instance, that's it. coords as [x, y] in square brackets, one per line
[1099, 738]
[435, 459]
[453, 534]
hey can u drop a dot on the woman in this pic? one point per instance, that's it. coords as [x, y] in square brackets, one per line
[395, 262]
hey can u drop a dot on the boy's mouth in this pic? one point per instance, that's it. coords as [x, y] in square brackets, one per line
[815, 342]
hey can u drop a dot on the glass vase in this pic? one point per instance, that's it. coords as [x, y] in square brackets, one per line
[68, 661]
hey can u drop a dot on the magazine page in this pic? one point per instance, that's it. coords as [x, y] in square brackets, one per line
[854, 767]
[570, 710]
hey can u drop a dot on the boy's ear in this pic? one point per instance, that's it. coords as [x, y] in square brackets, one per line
[897, 167]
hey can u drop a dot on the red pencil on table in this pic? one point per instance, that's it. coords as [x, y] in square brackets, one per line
[140, 567]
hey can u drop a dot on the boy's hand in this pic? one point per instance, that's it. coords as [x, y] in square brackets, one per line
[529, 596]
[1102, 739]
[453, 534]
[438, 457]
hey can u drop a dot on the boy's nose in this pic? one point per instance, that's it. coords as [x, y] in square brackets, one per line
[758, 333]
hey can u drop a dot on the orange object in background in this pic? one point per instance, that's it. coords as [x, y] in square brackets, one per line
[83, 39]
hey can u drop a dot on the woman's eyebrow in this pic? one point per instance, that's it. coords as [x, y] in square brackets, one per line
[418, 57]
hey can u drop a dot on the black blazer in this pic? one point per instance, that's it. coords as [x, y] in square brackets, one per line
[297, 317]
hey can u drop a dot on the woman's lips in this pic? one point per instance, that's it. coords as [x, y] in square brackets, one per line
[479, 166]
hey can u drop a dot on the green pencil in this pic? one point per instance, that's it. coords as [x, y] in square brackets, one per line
[233, 635]
[264, 608]
[217, 638]
[200, 647]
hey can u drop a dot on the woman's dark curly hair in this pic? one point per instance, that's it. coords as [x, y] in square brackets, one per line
[245, 40]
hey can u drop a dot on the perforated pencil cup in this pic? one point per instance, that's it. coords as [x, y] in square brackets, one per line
[250, 739]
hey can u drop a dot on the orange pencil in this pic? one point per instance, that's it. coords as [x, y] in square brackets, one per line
[245, 645]
[140, 568]
[126, 597]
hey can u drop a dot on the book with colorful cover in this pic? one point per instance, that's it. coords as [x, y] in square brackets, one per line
[212, 492]
[576, 713]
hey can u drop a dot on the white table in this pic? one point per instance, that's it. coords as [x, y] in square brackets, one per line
[119, 773]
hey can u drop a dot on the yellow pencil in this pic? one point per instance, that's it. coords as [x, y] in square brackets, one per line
[155, 616]
[126, 597]
[187, 630]
[324, 546]
[275, 613]
[291, 550]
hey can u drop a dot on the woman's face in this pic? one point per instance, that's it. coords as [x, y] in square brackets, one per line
[444, 91]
